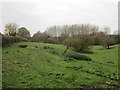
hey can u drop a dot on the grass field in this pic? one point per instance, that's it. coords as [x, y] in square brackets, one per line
[46, 67]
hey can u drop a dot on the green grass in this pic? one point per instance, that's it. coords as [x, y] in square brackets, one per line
[45, 67]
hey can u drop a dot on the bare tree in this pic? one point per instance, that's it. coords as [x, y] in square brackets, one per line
[107, 39]
[106, 30]
[72, 30]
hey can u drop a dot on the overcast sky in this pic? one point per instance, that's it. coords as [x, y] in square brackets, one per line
[39, 14]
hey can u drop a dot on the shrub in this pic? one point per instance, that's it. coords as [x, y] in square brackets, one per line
[77, 56]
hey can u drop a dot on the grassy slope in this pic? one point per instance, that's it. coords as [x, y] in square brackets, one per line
[42, 68]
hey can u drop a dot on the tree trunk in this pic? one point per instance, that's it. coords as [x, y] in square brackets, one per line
[65, 50]
[108, 47]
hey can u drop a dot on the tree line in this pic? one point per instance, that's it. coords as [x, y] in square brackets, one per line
[78, 36]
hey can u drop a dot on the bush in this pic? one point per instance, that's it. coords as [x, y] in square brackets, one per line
[77, 56]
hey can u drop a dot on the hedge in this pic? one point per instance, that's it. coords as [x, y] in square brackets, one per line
[11, 39]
